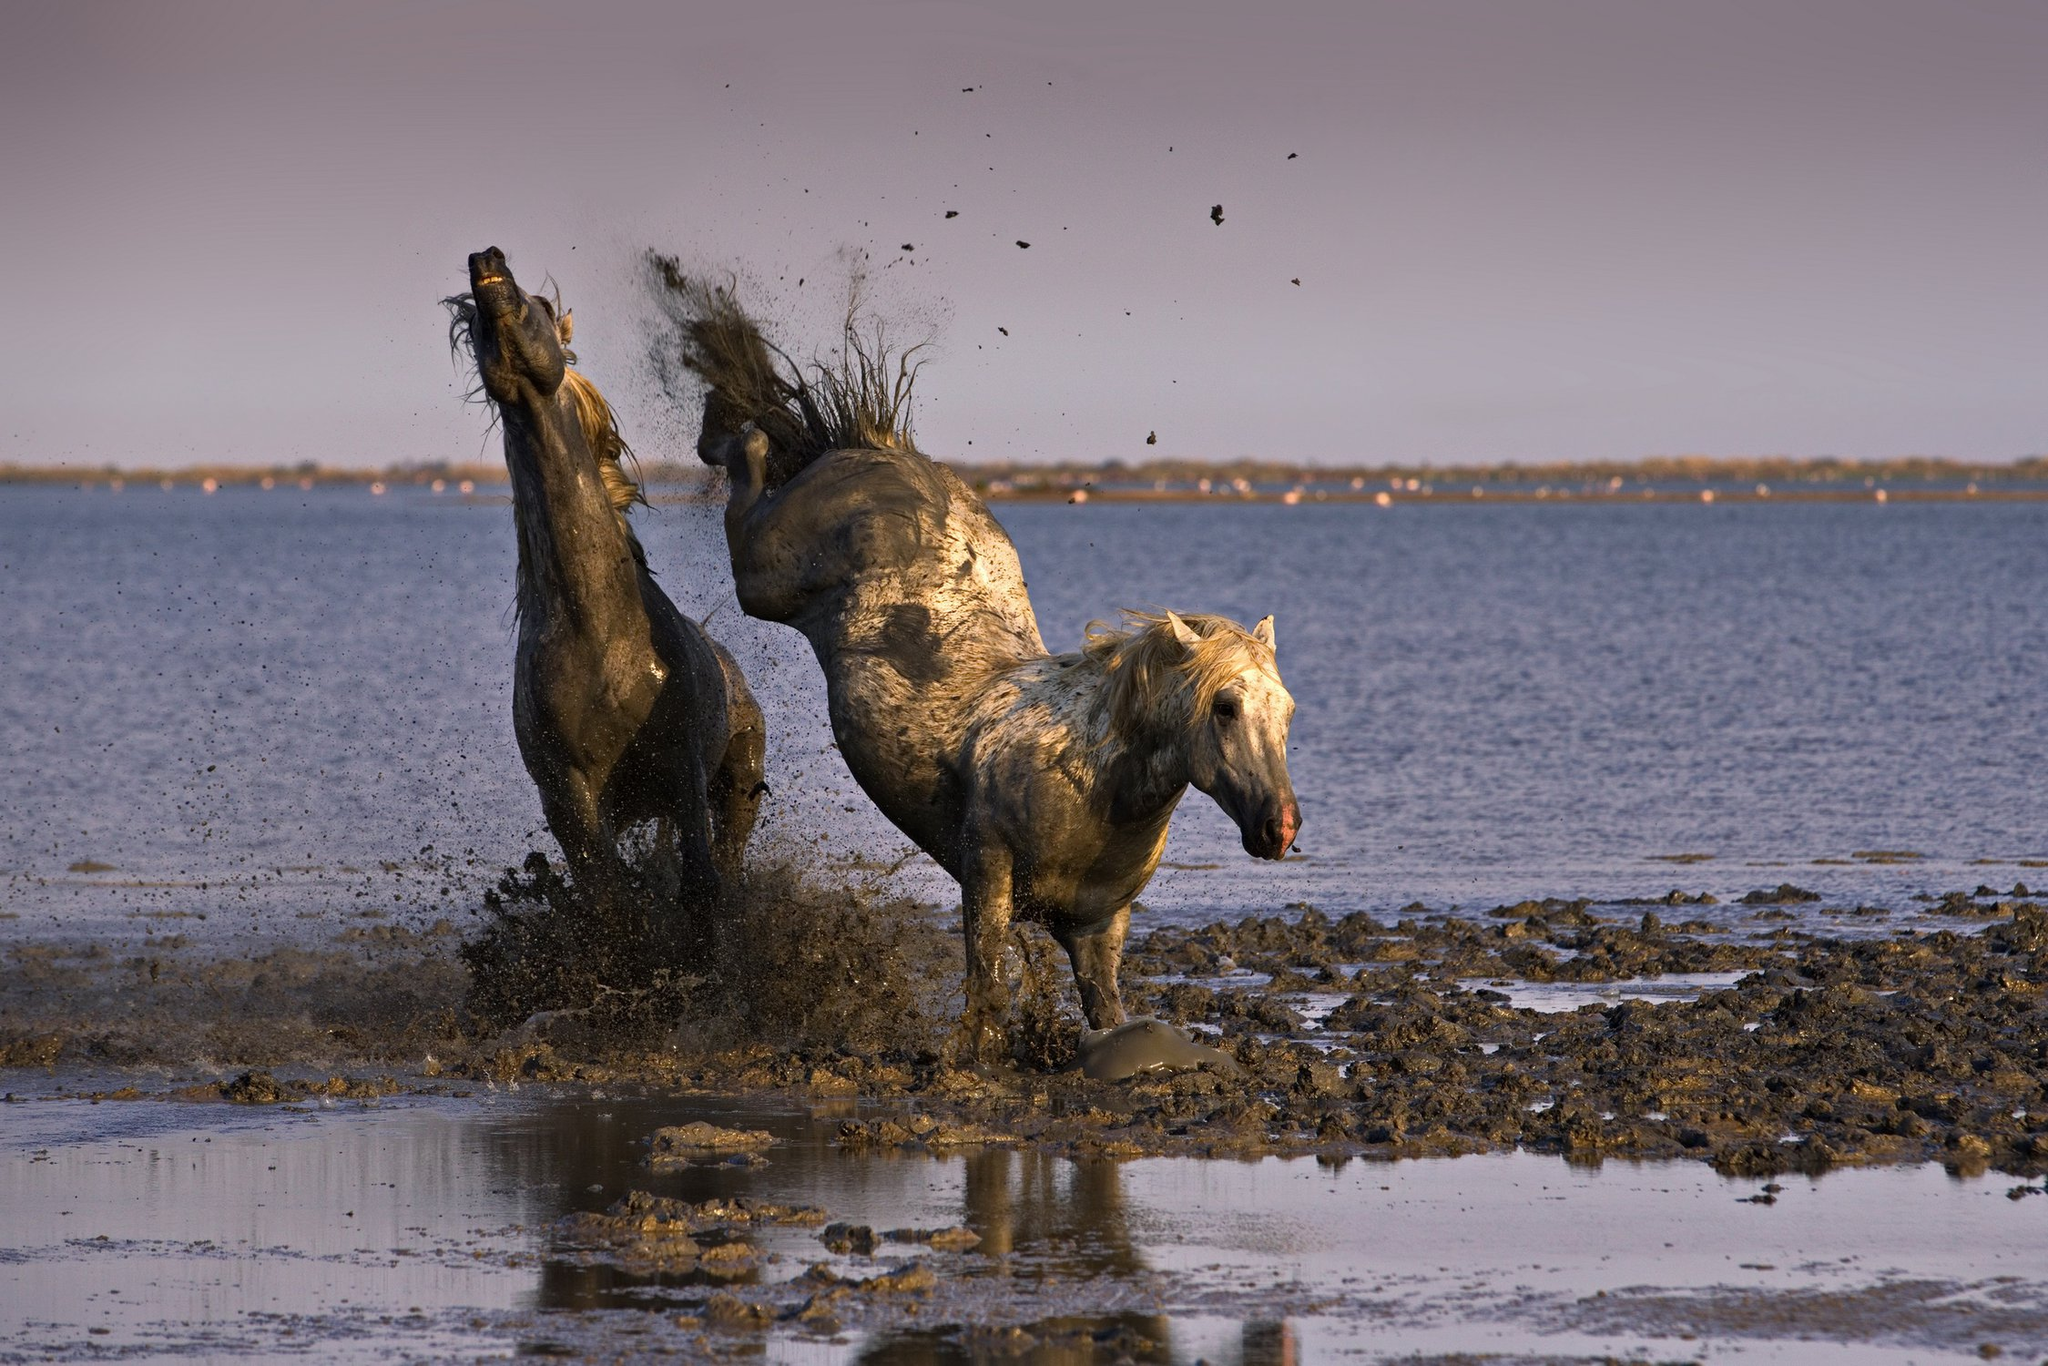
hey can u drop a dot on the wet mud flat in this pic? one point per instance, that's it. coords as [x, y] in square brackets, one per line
[1760, 1051]
[1698, 1069]
[538, 1220]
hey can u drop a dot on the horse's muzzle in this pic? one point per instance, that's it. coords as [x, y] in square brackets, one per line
[487, 268]
[1274, 835]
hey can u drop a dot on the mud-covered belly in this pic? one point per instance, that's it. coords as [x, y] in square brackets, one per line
[896, 750]
[1080, 892]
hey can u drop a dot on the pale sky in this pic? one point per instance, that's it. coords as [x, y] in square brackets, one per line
[1522, 230]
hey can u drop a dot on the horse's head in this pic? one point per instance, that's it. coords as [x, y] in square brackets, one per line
[1237, 729]
[520, 345]
[1210, 688]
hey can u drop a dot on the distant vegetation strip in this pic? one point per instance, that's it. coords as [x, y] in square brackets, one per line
[1661, 477]
[1564, 474]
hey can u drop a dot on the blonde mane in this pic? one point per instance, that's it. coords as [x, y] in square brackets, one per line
[601, 432]
[1154, 679]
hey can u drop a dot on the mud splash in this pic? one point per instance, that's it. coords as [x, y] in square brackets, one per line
[786, 958]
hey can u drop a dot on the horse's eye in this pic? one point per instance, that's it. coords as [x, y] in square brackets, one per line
[1226, 709]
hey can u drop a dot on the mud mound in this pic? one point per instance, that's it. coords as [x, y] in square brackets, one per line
[1349, 1035]
[1373, 1038]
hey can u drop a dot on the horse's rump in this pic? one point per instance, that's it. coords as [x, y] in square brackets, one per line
[900, 557]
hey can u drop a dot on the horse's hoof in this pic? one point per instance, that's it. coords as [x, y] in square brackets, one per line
[976, 1048]
[1124, 1051]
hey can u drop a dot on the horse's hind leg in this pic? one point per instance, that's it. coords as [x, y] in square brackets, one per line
[1097, 952]
[767, 539]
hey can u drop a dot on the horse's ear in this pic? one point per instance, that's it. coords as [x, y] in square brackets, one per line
[1182, 632]
[566, 328]
[1263, 632]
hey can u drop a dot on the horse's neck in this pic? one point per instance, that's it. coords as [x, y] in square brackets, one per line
[1143, 778]
[576, 560]
[1140, 774]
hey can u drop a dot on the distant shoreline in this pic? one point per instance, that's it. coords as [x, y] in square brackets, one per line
[1656, 481]
[1463, 497]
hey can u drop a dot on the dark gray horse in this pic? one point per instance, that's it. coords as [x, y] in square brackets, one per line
[1043, 783]
[626, 711]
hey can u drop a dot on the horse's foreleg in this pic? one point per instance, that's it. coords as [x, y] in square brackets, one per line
[736, 791]
[574, 817]
[763, 570]
[1097, 953]
[985, 908]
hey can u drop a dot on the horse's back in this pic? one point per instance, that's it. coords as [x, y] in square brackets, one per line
[861, 532]
[850, 517]
[985, 562]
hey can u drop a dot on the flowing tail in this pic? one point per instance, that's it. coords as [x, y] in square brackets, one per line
[858, 400]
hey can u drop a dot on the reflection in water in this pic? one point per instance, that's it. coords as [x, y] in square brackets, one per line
[576, 1155]
[1046, 1216]
[1270, 1342]
[420, 1229]
[1036, 1200]
[1048, 1342]
[1080, 1342]
[1069, 1219]
[1042, 1218]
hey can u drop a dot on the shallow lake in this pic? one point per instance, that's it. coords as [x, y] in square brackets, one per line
[299, 696]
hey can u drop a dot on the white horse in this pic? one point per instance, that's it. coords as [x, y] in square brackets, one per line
[1043, 783]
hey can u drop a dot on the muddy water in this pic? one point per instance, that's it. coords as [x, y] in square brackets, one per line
[433, 1229]
[1557, 997]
